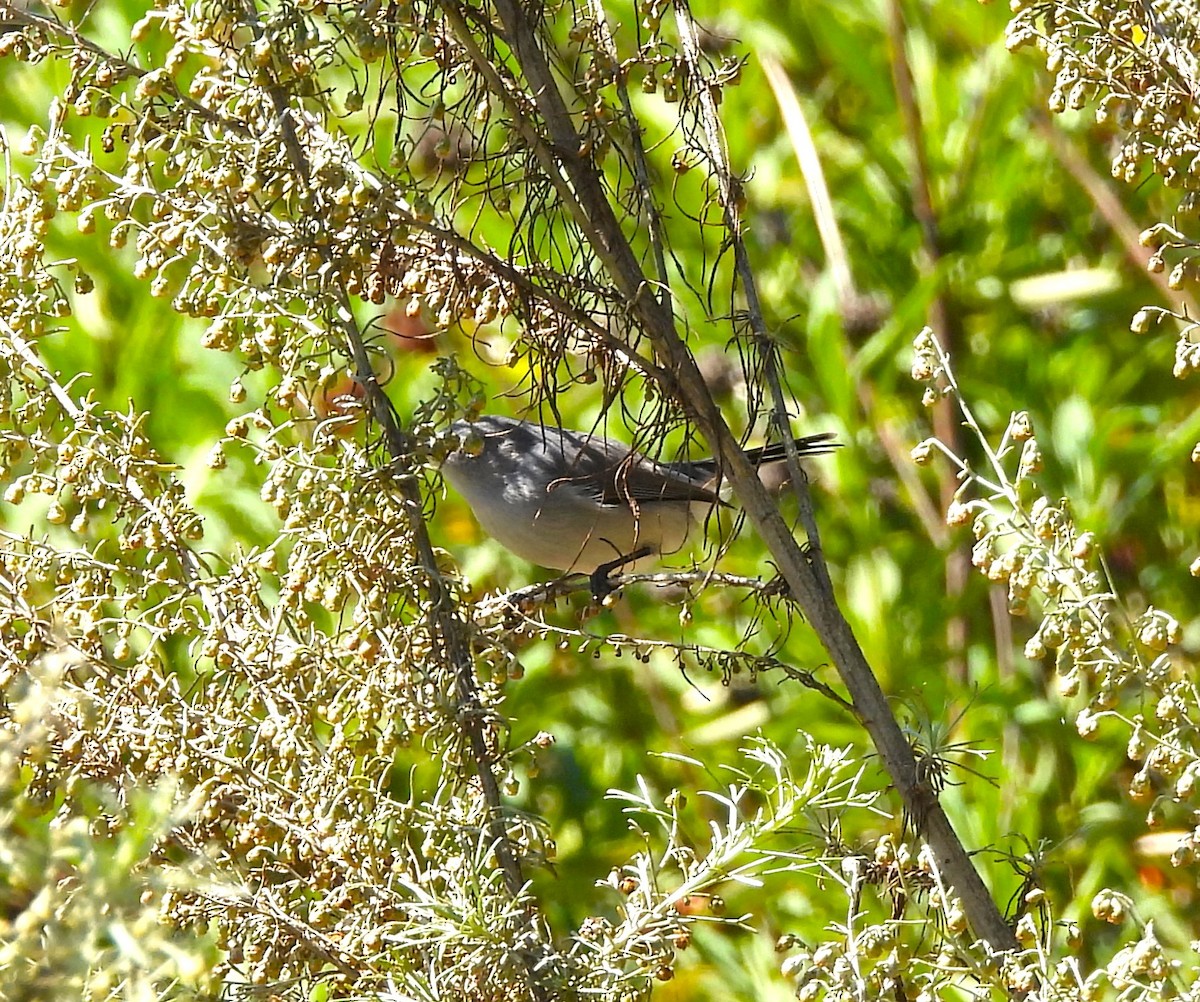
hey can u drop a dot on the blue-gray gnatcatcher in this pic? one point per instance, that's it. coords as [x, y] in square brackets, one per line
[576, 501]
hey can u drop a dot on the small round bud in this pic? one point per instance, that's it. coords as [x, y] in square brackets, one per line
[1167, 709]
[956, 918]
[958, 513]
[1026, 931]
[1031, 460]
[1084, 546]
[922, 369]
[793, 966]
[1110, 906]
[922, 453]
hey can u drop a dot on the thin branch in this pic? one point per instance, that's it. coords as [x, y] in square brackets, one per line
[445, 621]
[768, 352]
[810, 681]
[193, 570]
[22, 17]
[641, 169]
[569, 584]
[809, 579]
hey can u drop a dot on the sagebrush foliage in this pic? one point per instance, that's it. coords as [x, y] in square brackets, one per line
[338, 768]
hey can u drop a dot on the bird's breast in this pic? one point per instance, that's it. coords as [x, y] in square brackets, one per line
[565, 527]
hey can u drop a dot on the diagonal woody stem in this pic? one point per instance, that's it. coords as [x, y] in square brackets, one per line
[806, 575]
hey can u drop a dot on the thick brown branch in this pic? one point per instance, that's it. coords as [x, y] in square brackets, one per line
[808, 580]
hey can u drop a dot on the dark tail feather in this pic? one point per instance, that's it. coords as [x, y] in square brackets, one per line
[808, 445]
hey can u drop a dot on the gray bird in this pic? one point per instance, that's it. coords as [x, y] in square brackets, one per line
[576, 501]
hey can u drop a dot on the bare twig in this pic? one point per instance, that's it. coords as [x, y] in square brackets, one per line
[809, 580]
[515, 607]
[570, 584]
[641, 168]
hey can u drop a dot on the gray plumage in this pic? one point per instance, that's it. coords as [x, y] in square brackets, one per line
[576, 501]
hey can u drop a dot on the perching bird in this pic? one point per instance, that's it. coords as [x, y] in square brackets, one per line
[576, 501]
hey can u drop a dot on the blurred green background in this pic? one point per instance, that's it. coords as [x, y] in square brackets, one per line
[1036, 285]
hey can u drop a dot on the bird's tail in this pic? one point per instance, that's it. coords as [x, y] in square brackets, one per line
[807, 445]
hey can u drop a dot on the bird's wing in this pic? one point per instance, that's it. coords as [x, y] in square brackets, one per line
[643, 480]
[611, 474]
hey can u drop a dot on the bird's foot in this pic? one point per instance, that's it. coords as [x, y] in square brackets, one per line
[601, 578]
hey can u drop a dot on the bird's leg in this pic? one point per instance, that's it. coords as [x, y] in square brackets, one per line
[599, 578]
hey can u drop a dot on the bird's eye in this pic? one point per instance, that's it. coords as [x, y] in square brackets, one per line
[472, 443]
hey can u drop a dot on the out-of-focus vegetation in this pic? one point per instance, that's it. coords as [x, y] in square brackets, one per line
[960, 203]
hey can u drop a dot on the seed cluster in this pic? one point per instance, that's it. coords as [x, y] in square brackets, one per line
[273, 727]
